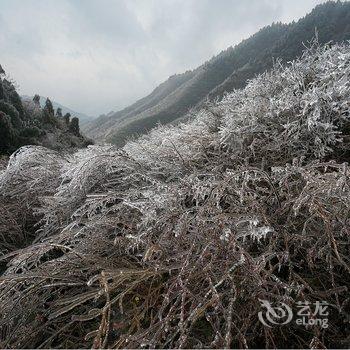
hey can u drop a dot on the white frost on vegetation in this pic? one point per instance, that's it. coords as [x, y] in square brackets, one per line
[223, 200]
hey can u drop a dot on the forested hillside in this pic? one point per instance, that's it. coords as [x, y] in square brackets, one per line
[229, 70]
[83, 118]
[175, 239]
[27, 123]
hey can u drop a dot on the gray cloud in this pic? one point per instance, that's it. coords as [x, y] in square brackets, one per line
[100, 55]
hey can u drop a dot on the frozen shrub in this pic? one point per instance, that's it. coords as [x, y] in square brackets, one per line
[172, 241]
[291, 112]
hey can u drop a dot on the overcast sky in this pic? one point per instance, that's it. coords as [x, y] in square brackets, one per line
[95, 56]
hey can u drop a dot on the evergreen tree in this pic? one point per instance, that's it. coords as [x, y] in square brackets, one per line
[49, 113]
[7, 134]
[74, 126]
[13, 97]
[17, 102]
[67, 118]
[59, 112]
[2, 95]
[36, 100]
[49, 107]
[12, 113]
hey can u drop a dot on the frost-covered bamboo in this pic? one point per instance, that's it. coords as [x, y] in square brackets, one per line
[171, 241]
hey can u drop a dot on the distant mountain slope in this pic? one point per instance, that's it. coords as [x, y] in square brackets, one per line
[229, 70]
[98, 127]
[83, 118]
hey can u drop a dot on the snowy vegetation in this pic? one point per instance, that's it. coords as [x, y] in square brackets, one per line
[171, 241]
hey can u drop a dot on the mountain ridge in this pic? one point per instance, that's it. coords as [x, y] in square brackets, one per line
[229, 70]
